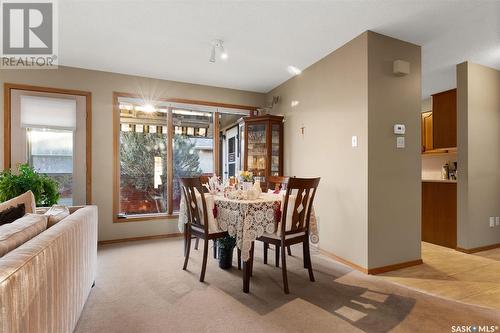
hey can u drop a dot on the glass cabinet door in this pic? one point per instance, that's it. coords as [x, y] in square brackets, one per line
[257, 148]
[275, 149]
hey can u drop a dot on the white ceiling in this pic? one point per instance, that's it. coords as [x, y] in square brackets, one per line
[171, 39]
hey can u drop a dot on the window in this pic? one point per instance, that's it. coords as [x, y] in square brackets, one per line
[193, 150]
[49, 129]
[51, 151]
[49, 125]
[143, 162]
[156, 144]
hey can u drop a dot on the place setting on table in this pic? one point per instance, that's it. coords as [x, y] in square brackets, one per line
[236, 213]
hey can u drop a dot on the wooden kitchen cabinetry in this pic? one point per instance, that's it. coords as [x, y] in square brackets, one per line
[439, 213]
[439, 126]
[427, 135]
[444, 119]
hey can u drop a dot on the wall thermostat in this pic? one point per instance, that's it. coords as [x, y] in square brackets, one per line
[399, 129]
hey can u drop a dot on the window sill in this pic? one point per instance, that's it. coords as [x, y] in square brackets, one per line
[145, 218]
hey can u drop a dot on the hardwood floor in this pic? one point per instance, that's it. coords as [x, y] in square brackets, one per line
[468, 278]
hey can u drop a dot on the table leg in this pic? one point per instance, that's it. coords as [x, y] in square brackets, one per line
[247, 271]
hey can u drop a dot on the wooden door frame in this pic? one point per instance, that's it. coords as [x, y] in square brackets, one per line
[88, 126]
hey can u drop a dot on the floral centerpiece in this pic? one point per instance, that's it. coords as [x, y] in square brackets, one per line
[246, 180]
[246, 176]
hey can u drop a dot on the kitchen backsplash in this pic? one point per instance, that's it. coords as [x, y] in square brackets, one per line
[432, 164]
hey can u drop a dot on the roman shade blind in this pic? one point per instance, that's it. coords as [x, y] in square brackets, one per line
[48, 112]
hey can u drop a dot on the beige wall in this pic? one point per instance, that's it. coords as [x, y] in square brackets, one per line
[394, 175]
[102, 85]
[368, 200]
[332, 97]
[478, 95]
[426, 104]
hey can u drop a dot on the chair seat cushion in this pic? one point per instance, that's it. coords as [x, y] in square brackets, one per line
[20, 231]
[275, 236]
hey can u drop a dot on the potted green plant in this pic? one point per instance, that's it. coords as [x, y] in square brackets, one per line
[226, 246]
[44, 188]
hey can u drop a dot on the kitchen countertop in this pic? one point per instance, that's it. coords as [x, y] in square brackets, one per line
[439, 181]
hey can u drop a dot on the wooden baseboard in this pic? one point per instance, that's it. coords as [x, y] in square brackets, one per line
[372, 271]
[394, 267]
[133, 239]
[478, 249]
[342, 260]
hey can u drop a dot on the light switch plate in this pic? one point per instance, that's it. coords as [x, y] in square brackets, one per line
[400, 142]
[492, 221]
[497, 220]
[354, 141]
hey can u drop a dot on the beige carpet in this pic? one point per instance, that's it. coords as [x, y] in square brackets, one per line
[141, 288]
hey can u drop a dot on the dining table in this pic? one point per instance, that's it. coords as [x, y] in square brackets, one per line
[246, 220]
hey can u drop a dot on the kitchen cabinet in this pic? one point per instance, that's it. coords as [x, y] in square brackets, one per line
[263, 145]
[444, 120]
[439, 213]
[427, 135]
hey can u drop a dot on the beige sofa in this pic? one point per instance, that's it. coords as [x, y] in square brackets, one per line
[45, 282]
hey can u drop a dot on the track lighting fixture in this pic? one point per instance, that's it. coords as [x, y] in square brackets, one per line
[217, 45]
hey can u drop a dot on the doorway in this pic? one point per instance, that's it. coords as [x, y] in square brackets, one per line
[231, 155]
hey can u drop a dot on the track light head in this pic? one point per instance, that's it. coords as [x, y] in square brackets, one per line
[212, 55]
[218, 44]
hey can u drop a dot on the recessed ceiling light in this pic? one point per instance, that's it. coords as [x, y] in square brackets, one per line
[224, 55]
[293, 70]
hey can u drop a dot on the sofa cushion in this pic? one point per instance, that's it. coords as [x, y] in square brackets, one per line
[12, 213]
[28, 199]
[20, 231]
[55, 214]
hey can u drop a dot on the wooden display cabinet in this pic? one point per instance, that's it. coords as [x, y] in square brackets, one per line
[263, 145]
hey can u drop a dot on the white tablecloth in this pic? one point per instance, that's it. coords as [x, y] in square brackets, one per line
[246, 220]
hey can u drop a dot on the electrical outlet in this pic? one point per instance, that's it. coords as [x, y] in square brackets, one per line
[497, 220]
[492, 221]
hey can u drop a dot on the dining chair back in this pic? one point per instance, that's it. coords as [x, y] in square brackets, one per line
[197, 226]
[303, 190]
[204, 181]
[293, 227]
[191, 187]
[277, 182]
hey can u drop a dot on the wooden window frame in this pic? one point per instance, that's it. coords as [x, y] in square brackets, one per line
[116, 148]
[7, 162]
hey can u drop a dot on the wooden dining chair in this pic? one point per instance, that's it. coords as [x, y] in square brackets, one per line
[294, 225]
[197, 225]
[204, 180]
[277, 182]
[274, 183]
